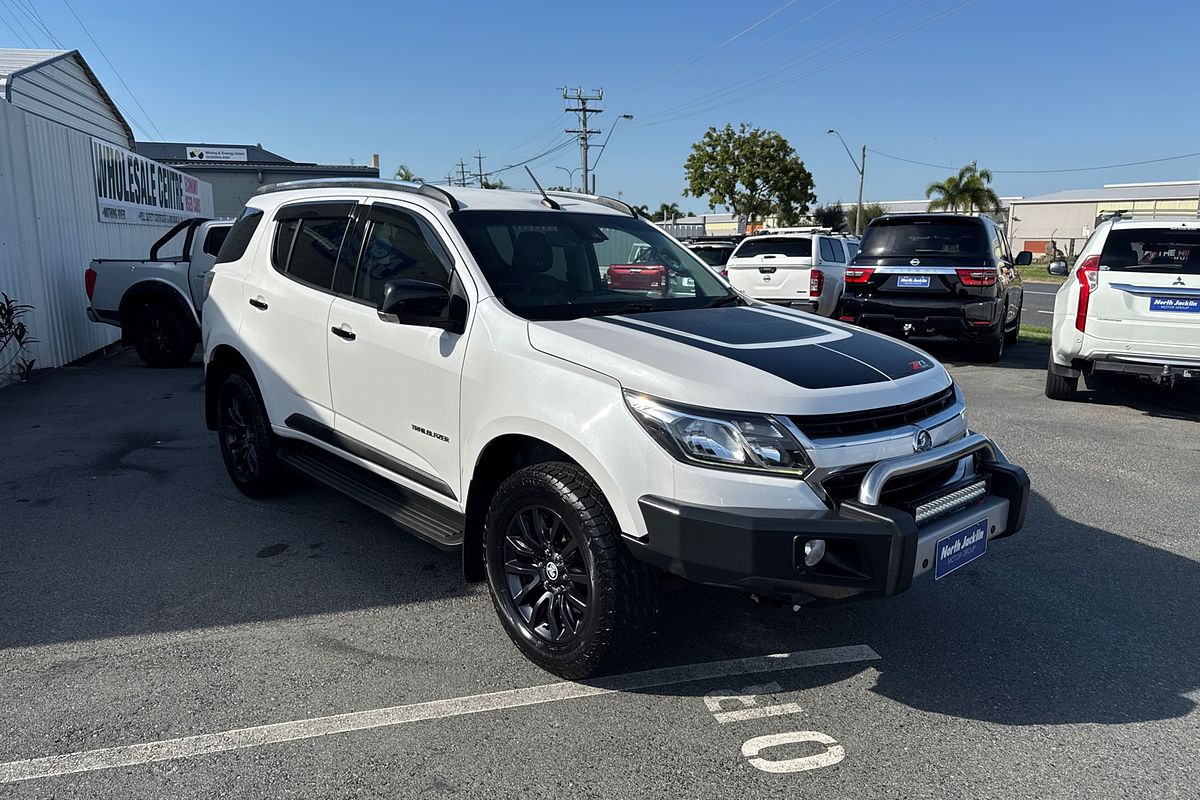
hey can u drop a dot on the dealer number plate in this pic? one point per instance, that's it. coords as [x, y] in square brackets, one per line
[960, 548]
[913, 281]
[1186, 305]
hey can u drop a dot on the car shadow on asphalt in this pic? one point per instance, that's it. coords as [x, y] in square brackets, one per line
[1062, 623]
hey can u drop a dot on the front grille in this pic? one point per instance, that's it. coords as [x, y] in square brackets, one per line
[843, 486]
[823, 426]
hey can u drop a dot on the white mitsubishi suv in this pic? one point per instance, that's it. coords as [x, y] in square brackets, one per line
[1131, 306]
[454, 359]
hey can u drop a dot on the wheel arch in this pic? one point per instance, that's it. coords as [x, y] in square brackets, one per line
[499, 458]
[150, 291]
[224, 361]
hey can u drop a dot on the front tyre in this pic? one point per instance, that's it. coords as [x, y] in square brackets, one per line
[565, 587]
[248, 445]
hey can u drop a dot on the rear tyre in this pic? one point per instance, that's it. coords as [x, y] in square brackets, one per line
[565, 587]
[1060, 387]
[1014, 331]
[162, 337]
[992, 346]
[248, 445]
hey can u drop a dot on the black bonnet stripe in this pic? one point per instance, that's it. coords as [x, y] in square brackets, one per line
[804, 365]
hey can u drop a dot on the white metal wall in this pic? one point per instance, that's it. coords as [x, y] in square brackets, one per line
[63, 92]
[50, 230]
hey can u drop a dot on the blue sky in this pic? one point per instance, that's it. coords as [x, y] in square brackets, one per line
[1017, 84]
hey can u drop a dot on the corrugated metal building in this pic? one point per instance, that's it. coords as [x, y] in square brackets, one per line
[71, 190]
[237, 171]
[1068, 218]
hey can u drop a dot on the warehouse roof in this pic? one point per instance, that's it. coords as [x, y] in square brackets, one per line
[240, 158]
[15, 63]
[1167, 190]
[195, 151]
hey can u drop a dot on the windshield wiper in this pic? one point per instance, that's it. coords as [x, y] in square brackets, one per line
[732, 299]
[629, 308]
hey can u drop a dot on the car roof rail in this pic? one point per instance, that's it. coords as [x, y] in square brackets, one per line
[607, 202]
[426, 189]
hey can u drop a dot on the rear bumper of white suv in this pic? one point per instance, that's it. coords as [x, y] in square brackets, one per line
[874, 545]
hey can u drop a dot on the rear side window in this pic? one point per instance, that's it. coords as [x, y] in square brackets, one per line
[1152, 250]
[238, 237]
[308, 238]
[792, 247]
[925, 237]
[831, 251]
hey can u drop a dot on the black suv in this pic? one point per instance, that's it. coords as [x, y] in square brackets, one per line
[946, 275]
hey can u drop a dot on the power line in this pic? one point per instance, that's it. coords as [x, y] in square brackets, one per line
[31, 41]
[36, 20]
[709, 52]
[1041, 171]
[114, 69]
[552, 124]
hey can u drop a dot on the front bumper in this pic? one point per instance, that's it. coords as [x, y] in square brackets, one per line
[923, 315]
[873, 549]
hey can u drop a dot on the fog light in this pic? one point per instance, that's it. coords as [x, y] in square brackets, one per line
[814, 551]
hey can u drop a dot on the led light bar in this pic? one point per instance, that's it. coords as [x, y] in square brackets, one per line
[948, 504]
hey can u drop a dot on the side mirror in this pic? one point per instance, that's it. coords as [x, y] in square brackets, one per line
[1059, 268]
[423, 303]
[1024, 258]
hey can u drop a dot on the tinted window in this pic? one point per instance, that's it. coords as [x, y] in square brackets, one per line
[934, 237]
[1152, 250]
[214, 239]
[558, 265]
[239, 236]
[831, 250]
[315, 250]
[714, 256]
[851, 249]
[793, 247]
[399, 246]
[285, 234]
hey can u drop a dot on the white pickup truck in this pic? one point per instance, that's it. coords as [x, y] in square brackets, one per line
[156, 301]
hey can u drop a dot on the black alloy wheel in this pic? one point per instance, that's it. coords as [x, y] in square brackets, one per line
[547, 577]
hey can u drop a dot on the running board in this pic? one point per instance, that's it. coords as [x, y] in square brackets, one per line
[418, 515]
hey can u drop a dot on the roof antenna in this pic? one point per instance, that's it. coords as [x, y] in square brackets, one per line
[546, 201]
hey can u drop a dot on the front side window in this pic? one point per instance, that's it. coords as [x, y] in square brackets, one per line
[1152, 250]
[908, 237]
[399, 246]
[562, 265]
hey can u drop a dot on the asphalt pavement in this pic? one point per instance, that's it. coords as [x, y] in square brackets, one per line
[163, 636]
[1037, 304]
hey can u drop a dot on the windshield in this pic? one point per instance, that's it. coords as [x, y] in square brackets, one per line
[924, 237]
[1152, 250]
[713, 256]
[556, 264]
[791, 247]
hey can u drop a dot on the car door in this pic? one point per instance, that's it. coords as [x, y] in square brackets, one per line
[286, 321]
[396, 386]
[204, 255]
[1148, 290]
[1008, 279]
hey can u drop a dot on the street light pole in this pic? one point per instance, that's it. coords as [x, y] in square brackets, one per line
[603, 148]
[861, 168]
[571, 176]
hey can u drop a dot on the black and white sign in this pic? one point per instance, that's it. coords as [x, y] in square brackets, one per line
[134, 190]
[202, 152]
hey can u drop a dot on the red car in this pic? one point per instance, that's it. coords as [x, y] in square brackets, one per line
[638, 277]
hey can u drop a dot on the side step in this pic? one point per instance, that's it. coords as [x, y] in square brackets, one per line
[418, 515]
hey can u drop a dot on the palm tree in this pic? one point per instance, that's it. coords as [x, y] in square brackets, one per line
[666, 212]
[643, 211]
[968, 190]
[405, 174]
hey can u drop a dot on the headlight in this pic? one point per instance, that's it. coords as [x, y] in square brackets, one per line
[719, 438]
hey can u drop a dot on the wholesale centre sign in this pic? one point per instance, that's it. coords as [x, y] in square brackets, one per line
[134, 190]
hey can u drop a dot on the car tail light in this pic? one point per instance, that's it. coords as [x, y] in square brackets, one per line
[816, 282]
[725, 272]
[977, 277]
[1089, 278]
[89, 282]
[859, 274]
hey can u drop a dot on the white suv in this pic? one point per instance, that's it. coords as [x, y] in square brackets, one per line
[455, 360]
[802, 268]
[1130, 306]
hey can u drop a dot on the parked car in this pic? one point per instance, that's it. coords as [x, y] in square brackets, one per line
[714, 252]
[941, 275]
[156, 301]
[802, 268]
[453, 358]
[1130, 306]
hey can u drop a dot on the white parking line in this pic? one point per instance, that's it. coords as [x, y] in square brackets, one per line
[1047, 294]
[190, 746]
[1044, 312]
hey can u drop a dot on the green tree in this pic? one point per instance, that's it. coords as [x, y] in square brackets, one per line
[643, 211]
[833, 216]
[403, 173]
[750, 171]
[665, 212]
[967, 191]
[559, 189]
[869, 212]
[492, 183]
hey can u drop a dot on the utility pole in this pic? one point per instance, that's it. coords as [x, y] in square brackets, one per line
[462, 172]
[861, 168]
[581, 101]
[479, 157]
